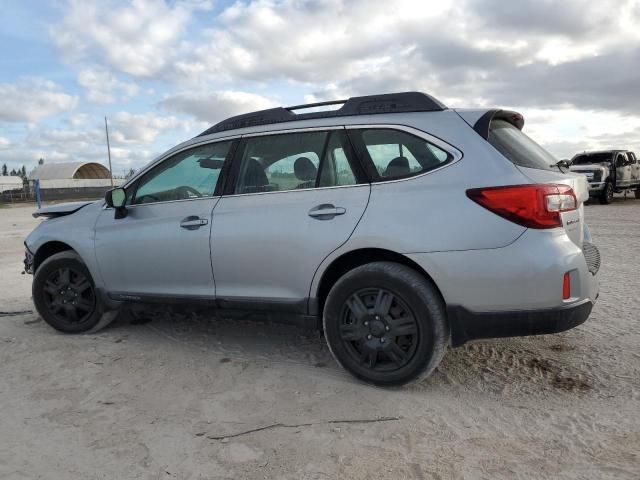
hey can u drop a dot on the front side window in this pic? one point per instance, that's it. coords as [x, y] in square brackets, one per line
[189, 174]
[293, 161]
[519, 148]
[398, 154]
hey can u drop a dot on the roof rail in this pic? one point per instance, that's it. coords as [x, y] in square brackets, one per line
[367, 105]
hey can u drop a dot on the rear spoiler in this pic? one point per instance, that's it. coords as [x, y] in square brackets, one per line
[483, 124]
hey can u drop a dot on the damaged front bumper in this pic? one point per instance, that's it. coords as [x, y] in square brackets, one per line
[28, 260]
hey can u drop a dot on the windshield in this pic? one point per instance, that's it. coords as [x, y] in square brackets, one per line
[517, 147]
[590, 158]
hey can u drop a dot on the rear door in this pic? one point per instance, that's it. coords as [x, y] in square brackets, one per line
[292, 198]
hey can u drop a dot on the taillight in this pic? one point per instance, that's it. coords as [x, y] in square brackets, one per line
[532, 206]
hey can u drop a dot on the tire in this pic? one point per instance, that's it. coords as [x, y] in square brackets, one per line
[637, 193]
[607, 194]
[65, 296]
[395, 334]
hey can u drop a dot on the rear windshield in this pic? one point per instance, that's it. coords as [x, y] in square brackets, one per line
[589, 158]
[519, 148]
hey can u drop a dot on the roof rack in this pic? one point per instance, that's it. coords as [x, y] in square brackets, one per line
[367, 105]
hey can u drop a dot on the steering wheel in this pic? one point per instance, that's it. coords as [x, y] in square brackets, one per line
[186, 191]
[147, 199]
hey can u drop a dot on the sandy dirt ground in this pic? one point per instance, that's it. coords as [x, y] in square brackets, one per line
[187, 397]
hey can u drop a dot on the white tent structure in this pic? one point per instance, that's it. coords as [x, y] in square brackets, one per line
[10, 183]
[72, 180]
[70, 171]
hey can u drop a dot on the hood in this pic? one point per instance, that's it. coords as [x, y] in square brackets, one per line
[588, 166]
[61, 209]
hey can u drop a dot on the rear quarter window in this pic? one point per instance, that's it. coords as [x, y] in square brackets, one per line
[399, 154]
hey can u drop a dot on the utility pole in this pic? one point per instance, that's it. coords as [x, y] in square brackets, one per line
[106, 129]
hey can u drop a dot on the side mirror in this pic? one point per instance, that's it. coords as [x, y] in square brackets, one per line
[117, 198]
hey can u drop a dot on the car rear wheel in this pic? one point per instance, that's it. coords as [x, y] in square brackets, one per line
[385, 323]
[65, 296]
[607, 194]
[637, 192]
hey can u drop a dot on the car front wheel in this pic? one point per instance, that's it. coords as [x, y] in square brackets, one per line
[65, 296]
[607, 194]
[386, 324]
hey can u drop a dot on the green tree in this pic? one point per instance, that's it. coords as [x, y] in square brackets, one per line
[130, 173]
[5, 170]
[41, 161]
[23, 172]
[13, 172]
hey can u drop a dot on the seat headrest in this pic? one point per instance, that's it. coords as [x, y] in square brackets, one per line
[397, 167]
[254, 175]
[304, 169]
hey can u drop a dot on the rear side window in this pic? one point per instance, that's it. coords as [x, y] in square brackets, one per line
[519, 148]
[398, 154]
[294, 161]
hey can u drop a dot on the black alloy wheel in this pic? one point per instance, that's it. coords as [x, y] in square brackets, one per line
[386, 323]
[378, 329]
[69, 296]
[66, 297]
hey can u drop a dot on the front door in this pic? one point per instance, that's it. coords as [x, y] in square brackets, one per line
[294, 199]
[161, 247]
[623, 171]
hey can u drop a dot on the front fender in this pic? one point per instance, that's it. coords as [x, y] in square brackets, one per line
[76, 230]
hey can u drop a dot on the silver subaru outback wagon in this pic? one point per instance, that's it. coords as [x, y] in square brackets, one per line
[396, 225]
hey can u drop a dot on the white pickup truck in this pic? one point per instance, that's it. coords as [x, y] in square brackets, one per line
[608, 171]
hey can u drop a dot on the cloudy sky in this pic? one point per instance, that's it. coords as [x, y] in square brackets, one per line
[164, 70]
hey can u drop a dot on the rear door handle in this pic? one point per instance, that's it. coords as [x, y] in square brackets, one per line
[193, 222]
[326, 211]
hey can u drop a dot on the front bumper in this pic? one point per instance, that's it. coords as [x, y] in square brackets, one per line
[595, 187]
[467, 325]
[28, 260]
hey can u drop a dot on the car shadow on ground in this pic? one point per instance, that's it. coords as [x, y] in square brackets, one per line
[534, 365]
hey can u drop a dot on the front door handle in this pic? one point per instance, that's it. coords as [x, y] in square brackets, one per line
[326, 211]
[193, 222]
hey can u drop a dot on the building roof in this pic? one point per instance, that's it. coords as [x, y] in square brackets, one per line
[69, 170]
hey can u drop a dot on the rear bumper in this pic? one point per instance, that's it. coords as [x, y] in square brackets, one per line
[467, 325]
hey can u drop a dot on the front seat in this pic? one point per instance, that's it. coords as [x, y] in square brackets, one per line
[306, 172]
[255, 180]
[398, 167]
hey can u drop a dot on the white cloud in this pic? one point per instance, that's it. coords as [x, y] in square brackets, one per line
[572, 67]
[103, 87]
[32, 99]
[211, 107]
[139, 39]
[4, 142]
[126, 128]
